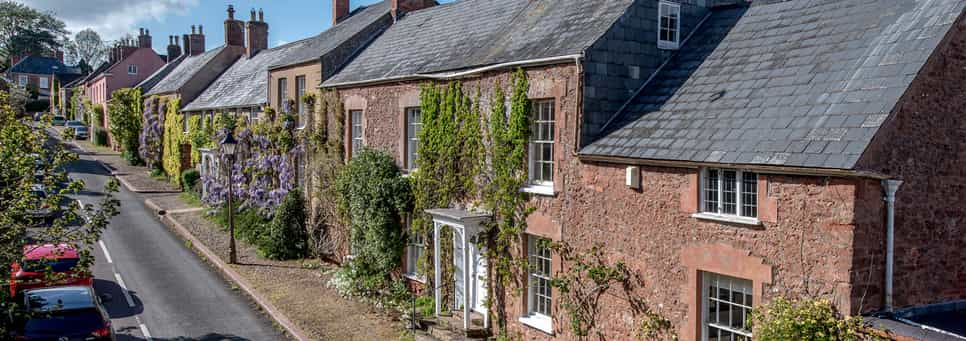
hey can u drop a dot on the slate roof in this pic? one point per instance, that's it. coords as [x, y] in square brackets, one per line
[184, 72]
[245, 83]
[314, 47]
[471, 33]
[149, 83]
[42, 66]
[803, 83]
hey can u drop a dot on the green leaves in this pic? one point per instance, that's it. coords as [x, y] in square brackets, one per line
[807, 319]
[124, 110]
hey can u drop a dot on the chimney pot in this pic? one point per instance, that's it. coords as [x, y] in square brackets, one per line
[261, 15]
[201, 29]
[231, 12]
[253, 15]
[142, 31]
[193, 31]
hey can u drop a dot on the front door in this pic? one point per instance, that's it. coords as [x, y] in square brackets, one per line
[479, 277]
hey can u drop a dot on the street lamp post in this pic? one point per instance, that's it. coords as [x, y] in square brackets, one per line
[228, 144]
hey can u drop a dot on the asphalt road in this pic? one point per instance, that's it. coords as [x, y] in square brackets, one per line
[159, 289]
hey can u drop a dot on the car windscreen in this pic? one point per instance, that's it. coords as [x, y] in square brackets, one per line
[57, 265]
[65, 322]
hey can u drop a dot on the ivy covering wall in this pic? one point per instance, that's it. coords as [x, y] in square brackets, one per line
[173, 138]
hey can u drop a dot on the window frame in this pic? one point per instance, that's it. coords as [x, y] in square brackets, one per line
[415, 249]
[186, 126]
[675, 9]
[353, 122]
[740, 192]
[411, 146]
[282, 93]
[541, 320]
[747, 291]
[133, 67]
[43, 82]
[299, 92]
[23, 80]
[542, 185]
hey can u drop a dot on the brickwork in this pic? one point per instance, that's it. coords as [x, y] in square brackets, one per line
[806, 237]
[923, 143]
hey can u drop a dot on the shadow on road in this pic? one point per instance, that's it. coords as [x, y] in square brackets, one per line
[207, 337]
[117, 307]
[87, 167]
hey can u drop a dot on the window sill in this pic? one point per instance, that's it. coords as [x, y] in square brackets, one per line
[415, 277]
[538, 322]
[539, 190]
[727, 218]
[667, 45]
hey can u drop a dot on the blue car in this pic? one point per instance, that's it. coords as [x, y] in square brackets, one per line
[59, 120]
[80, 130]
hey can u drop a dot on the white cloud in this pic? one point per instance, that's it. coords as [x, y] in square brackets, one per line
[111, 19]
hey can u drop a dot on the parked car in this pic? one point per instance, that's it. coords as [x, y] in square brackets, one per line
[43, 210]
[59, 120]
[67, 313]
[80, 132]
[61, 260]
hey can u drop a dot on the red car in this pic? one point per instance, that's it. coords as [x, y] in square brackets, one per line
[61, 259]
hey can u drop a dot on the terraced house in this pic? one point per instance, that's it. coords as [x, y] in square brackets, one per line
[729, 153]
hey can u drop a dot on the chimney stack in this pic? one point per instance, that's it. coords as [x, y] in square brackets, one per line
[174, 50]
[400, 7]
[257, 33]
[234, 29]
[195, 42]
[340, 9]
[144, 39]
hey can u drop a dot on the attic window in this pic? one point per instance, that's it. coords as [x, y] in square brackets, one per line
[132, 69]
[669, 25]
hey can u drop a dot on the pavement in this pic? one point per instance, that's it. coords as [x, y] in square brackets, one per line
[160, 289]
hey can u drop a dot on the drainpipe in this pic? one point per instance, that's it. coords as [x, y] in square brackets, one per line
[890, 187]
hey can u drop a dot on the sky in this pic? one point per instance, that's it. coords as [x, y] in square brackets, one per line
[288, 20]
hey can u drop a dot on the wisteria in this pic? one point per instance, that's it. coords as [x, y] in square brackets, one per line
[150, 148]
[264, 170]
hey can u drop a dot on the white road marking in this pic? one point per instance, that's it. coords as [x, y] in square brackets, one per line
[106, 254]
[82, 214]
[127, 295]
[144, 329]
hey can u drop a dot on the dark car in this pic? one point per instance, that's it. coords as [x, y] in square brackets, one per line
[65, 313]
[59, 120]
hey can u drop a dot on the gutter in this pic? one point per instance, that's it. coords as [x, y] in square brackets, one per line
[461, 74]
[890, 187]
[765, 169]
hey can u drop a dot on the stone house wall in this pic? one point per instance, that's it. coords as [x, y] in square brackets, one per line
[923, 143]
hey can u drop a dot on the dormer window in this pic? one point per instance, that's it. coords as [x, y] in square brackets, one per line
[669, 25]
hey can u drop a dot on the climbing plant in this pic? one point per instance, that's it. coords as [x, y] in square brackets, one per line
[150, 142]
[509, 137]
[326, 155]
[125, 121]
[585, 277]
[173, 138]
[806, 319]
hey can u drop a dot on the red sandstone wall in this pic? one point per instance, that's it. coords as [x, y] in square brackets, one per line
[806, 240]
[923, 143]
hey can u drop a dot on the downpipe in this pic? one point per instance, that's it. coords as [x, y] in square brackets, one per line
[890, 187]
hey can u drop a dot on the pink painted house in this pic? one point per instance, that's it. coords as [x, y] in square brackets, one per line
[128, 65]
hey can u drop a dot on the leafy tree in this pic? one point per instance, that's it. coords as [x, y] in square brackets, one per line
[85, 67]
[86, 47]
[124, 109]
[28, 160]
[26, 31]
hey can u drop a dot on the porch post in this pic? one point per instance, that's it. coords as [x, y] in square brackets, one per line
[436, 284]
[466, 281]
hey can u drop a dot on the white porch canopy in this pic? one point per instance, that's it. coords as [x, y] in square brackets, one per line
[468, 260]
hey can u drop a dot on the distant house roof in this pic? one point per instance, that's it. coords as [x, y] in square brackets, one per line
[472, 33]
[89, 77]
[244, 84]
[798, 83]
[313, 48]
[184, 71]
[43, 66]
[149, 83]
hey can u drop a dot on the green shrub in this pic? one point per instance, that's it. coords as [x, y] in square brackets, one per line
[249, 226]
[189, 179]
[286, 237]
[809, 319]
[67, 134]
[100, 137]
[133, 158]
